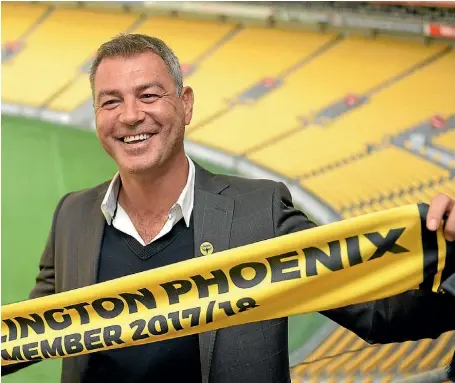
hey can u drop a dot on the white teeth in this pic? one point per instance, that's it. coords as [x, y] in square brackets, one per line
[137, 137]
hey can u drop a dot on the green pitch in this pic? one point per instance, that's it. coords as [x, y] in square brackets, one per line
[40, 163]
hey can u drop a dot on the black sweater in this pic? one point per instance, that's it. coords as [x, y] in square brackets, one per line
[175, 360]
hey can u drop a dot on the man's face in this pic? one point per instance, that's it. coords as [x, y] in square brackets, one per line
[140, 119]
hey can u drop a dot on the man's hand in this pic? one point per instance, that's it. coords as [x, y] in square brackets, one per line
[440, 205]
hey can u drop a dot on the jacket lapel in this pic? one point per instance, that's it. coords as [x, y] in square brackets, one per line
[212, 223]
[88, 253]
[89, 245]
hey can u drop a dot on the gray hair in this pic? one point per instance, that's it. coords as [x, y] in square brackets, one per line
[130, 44]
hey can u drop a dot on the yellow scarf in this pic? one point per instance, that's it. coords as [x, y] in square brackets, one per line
[352, 261]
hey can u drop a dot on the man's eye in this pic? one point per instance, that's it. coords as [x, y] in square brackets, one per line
[149, 96]
[109, 102]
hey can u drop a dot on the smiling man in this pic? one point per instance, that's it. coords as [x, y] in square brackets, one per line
[161, 208]
[141, 113]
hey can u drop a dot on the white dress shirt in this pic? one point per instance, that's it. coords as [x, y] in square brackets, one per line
[183, 207]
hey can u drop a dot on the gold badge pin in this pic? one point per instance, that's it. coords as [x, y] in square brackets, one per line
[206, 248]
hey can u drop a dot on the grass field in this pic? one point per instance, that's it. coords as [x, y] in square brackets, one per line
[40, 163]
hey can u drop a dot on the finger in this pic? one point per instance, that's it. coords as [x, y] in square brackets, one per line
[438, 206]
[449, 229]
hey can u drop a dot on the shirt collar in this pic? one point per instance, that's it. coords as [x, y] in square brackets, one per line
[185, 201]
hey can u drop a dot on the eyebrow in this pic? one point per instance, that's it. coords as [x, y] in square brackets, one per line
[137, 89]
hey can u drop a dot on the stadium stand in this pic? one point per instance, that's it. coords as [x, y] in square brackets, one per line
[363, 361]
[250, 62]
[367, 124]
[17, 18]
[334, 112]
[73, 45]
[371, 177]
[189, 39]
[306, 89]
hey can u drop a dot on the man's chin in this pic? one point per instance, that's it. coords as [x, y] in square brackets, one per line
[137, 166]
[140, 168]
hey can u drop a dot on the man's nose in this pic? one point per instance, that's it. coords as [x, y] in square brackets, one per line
[131, 113]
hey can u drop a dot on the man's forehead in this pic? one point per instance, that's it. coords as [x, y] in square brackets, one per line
[146, 60]
[138, 70]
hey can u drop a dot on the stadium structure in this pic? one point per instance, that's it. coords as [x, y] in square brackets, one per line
[351, 104]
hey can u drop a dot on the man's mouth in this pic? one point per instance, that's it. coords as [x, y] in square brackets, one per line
[137, 138]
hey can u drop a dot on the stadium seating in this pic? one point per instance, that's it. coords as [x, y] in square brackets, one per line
[379, 361]
[17, 18]
[423, 193]
[305, 151]
[371, 177]
[189, 40]
[281, 99]
[305, 91]
[54, 54]
[242, 62]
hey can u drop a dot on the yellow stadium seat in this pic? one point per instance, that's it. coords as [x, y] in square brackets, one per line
[74, 96]
[338, 362]
[322, 349]
[344, 343]
[359, 360]
[372, 364]
[447, 187]
[421, 348]
[387, 204]
[446, 358]
[435, 353]
[446, 140]
[329, 343]
[395, 357]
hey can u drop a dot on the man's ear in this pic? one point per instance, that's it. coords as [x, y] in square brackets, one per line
[188, 101]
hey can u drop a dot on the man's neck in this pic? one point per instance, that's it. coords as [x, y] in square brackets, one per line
[154, 193]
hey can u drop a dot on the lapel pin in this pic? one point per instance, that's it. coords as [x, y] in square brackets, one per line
[206, 248]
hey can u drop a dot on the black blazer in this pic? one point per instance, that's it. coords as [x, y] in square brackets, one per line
[229, 212]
